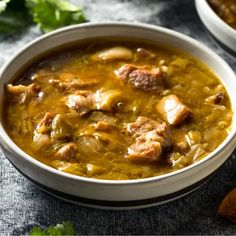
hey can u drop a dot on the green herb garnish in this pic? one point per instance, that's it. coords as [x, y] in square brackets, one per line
[3, 5]
[66, 228]
[53, 14]
[15, 15]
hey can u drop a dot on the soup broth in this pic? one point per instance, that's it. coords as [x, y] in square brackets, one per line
[117, 110]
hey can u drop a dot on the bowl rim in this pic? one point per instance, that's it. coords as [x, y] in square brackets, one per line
[212, 15]
[7, 142]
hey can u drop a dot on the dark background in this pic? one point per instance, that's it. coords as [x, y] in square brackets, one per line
[23, 206]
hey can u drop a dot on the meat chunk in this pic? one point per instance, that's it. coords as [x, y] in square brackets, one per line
[151, 139]
[124, 71]
[83, 103]
[51, 127]
[41, 137]
[44, 126]
[146, 80]
[67, 152]
[142, 78]
[141, 125]
[145, 151]
[144, 125]
[173, 110]
[21, 93]
[147, 129]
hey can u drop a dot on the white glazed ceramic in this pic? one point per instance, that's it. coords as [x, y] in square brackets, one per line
[219, 29]
[128, 193]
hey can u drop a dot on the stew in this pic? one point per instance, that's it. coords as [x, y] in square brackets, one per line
[113, 109]
[226, 9]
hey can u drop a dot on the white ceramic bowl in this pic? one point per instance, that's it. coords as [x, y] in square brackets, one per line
[218, 28]
[128, 193]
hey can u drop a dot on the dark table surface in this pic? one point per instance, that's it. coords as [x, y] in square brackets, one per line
[23, 206]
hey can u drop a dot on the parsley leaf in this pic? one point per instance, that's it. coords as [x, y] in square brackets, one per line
[52, 14]
[66, 228]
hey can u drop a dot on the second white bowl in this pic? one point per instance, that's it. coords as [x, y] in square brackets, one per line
[218, 28]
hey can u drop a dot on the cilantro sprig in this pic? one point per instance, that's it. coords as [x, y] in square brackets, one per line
[53, 14]
[3, 5]
[66, 228]
[47, 14]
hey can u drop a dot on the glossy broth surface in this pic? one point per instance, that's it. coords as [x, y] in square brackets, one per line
[77, 111]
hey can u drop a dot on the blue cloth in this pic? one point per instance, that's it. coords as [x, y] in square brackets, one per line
[23, 206]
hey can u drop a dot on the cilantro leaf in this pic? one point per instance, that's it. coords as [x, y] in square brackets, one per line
[36, 231]
[52, 14]
[12, 22]
[17, 5]
[3, 5]
[54, 231]
[14, 16]
[66, 228]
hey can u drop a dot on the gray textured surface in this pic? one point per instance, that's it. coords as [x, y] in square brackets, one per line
[22, 205]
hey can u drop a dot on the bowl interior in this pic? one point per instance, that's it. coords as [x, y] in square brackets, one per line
[83, 32]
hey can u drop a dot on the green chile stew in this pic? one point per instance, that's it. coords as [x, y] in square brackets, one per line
[118, 110]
